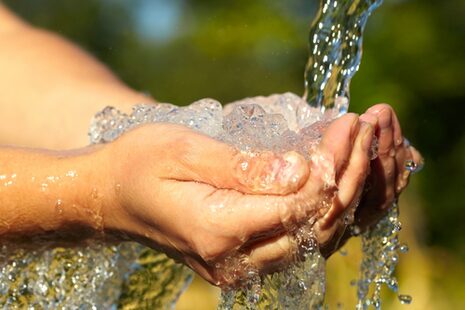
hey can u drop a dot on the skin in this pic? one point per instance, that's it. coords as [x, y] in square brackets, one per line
[164, 185]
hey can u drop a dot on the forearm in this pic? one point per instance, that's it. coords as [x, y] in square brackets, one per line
[50, 89]
[51, 193]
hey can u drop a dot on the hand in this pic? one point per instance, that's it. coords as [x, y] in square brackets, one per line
[200, 200]
[389, 175]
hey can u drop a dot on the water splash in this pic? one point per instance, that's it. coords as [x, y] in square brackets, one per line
[300, 286]
[381, 248]
[96, 276]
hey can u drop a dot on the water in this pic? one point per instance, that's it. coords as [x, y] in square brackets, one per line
[381, 248]
[99, 276]
[335, 42]
[91, 277]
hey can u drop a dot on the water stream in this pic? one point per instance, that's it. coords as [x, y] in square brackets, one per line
[131, 276]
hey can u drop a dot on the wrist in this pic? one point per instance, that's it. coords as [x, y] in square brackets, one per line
[86, 188]
[79, 193]
[115, 220]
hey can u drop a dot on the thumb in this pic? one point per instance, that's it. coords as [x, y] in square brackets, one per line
[207, 160]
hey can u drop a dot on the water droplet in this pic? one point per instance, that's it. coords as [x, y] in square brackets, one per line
[410, 166]
[71, 173]
[59, 206]
[43, 187]
[406, 142]
[302, 285]
[403, 248]
[405, 299]
[355, 230]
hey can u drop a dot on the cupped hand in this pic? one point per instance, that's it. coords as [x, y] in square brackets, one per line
[390, 171]
[200, 200]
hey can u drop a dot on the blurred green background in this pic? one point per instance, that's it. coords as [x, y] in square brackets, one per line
[414, 59]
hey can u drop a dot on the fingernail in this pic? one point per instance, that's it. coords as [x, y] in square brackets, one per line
[367, 136]
[385, 119]
[354, 129]
[355, 126]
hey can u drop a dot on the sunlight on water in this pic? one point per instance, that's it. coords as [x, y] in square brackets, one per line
[335, 42]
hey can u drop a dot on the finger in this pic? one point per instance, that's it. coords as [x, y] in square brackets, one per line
[268, 256]
[388, 111]
[403, 158]
[353, 177]
[398, 136]
[370, 119]
[334, 149]
[203, 159]
[273, 254]
[374, 122]
[386, 169]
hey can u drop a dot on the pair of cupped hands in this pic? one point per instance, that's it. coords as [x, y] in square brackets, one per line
[200, 200]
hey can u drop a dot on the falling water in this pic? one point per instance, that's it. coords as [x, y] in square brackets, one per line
[335, 43]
